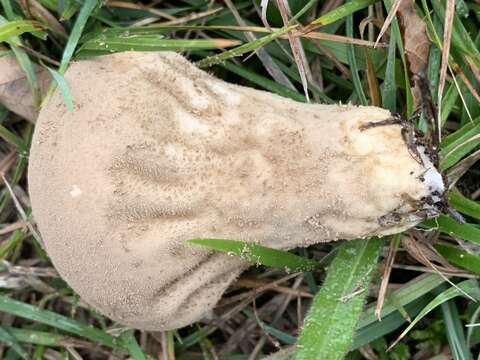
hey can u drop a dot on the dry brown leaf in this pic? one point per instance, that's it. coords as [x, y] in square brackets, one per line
[426, 254]
[15, 91]
[458, 70]
[337, 38]
[460, 168]
[39, 12]
[416, 42]
[388, 266]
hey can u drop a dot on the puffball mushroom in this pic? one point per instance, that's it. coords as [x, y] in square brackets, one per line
[158, 151]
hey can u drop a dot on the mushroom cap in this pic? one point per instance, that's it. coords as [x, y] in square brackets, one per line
[157, 151]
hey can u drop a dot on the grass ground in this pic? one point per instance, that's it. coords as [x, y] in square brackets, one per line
[429, 305]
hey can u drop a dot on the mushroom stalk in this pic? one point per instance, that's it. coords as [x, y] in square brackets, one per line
[157, 152]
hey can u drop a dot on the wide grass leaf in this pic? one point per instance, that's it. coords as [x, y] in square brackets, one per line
[330, 324]
[468, 286]
[104, 44]
[389, 323]
[37, 337]
[409, 292]
[130, 343]
[454, 329]
[258, 254]
[453, 228]
[342, 11]
[64, 89]
[263, 81]
[459, 257]
[357, 83]
[242, 49]
[18, 27]
[85, 12]
[464, 204]
[25, 63]
[460, 143]
[13, 139]
[7, 338]
[389, 93]
[33, 313]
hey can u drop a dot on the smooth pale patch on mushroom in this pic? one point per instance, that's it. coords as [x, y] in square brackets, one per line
[157, 152]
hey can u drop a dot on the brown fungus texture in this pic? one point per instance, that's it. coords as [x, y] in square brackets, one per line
[157, 152]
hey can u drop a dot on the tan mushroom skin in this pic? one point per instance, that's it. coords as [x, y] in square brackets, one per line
[157, 151]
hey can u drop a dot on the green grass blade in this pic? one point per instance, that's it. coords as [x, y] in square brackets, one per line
[8, 10]
[461, 135]
[460, 143]
[70, 8]
[263, 82]
[127, 339]
[468, 286]
[18, 27]
[448, 102]
[195, 337]
[280, 335]
[20, 166]
[29, 69]
[459, 257]
[408, 293]
[13, 139]
[464, 204]
[39, 337]
[83, 16]
[454, 329]
[242, 49]
[461, 38]
[343, 11]
[153, 43]
[25, 63]
[389, 323]
[389, 93]
[330, 324]
[7, 338]
[33, 313]
[357, 83]
[471, 331]
[5, 53]
[458, 153]
[258, 254]
[293, 74]
[396, 34]
[303, 10]
[453, 228]
[64, 89]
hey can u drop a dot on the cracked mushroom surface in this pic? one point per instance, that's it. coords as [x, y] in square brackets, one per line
[157, 152]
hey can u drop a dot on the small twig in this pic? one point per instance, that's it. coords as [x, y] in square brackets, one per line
[39, 55]
[22, 213]
[424, 269]
[392, 251]
[389, 19]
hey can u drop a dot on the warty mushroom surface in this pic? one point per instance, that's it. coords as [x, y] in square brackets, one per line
[158, 151]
